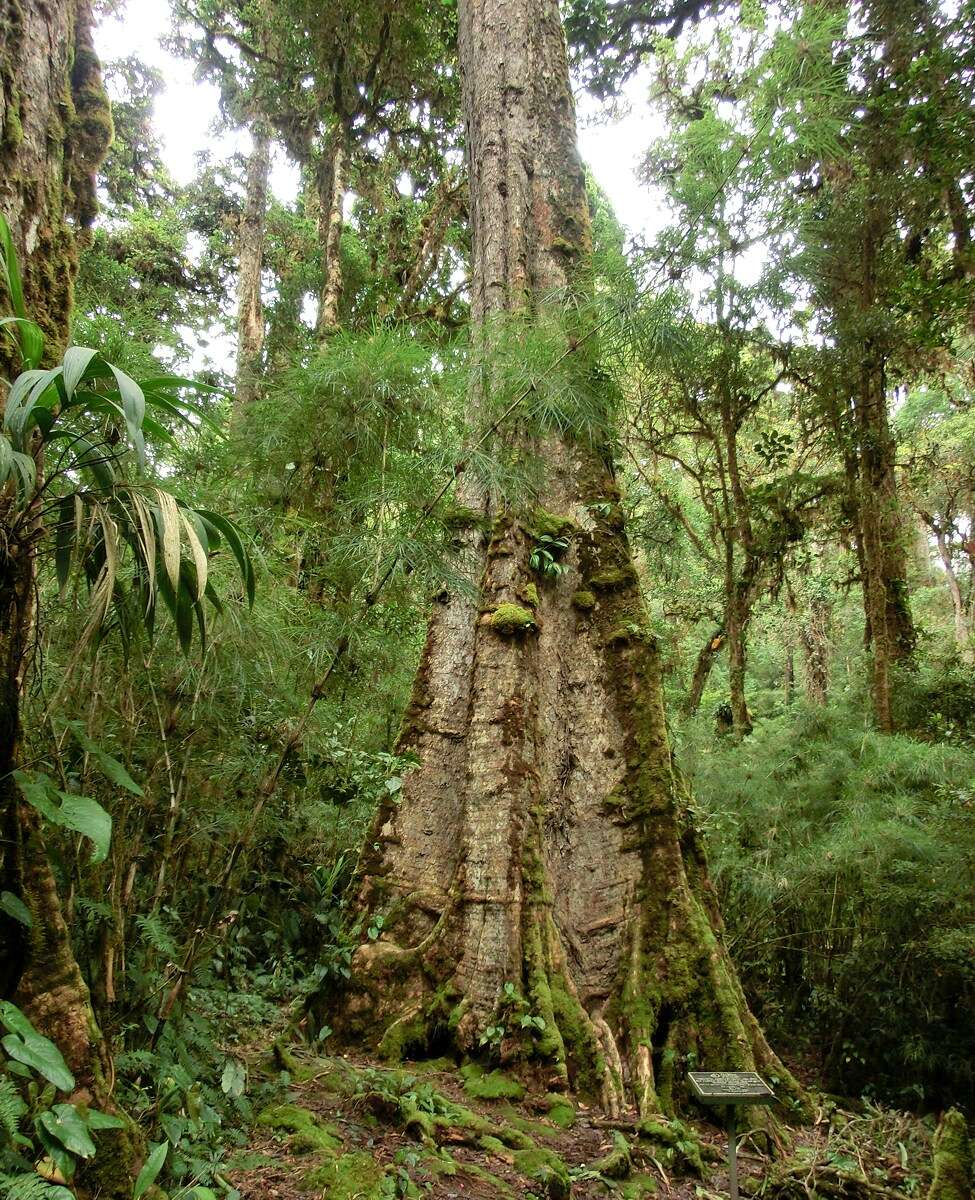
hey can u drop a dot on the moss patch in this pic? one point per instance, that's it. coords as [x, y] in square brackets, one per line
[529, 594]
[309, 1135]
[355, 1176]
[546, 1169]
[613, 579]
[952, 1159]
[545, 524]
[511, 620]
[637, 1187]
[494, 1085]
[617, 1164]
[584, 601]
[561, 1110]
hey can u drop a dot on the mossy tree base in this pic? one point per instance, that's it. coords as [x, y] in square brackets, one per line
[545, 896]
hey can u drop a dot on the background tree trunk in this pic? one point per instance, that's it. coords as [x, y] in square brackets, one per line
[331, 182]
[544, 840]
[702, 670]
[815, 644]
[250, 307]
[882, 525]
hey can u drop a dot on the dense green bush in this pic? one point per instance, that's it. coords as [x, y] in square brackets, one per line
[844, 859]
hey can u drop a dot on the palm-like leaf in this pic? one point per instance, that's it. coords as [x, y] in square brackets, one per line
[86, 421]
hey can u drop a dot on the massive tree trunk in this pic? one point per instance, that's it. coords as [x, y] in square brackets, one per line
[250, 307]
[55, 127]
[544, 841]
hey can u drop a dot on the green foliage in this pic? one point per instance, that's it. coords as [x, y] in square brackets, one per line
[842, 857]
[65, 1132]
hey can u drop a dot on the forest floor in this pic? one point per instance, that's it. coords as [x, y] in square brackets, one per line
[353, 1129]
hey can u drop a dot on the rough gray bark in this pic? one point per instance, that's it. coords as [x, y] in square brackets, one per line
[544, 840]
[250, 307]
[331, 182]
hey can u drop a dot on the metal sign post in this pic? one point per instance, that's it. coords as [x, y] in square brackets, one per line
[731, 1090]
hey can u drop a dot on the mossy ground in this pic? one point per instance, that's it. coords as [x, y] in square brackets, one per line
[354, 1129]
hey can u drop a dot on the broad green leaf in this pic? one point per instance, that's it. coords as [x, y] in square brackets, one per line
[101, 1120]
[39, 792]
[13, 1020]
[65, 1123]
[153, 1165]
[134, 407]
[25, 394]
[199, 556]
[41, 1054]
[169, 523]
[28, 336]
[77, 360]
[26, 470]
[110, 767]
[14, 907]
[229, 531]
[234, 1077]
[78, 813]
[87, 817]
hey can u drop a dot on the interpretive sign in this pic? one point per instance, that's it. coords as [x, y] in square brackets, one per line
[730, 1089]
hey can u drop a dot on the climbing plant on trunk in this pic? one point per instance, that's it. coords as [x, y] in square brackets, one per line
[540, 878]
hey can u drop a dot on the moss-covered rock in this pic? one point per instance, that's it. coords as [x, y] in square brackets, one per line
[637, 1187]
[952, 1159]
[584, 601]
[511, 620]
[618, 1163]
[673, 1143]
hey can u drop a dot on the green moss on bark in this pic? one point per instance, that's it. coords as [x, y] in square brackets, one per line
[511, 620]
[952, 1159]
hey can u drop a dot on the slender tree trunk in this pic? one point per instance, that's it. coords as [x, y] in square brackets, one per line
[737, 616]
[815, 644]
[330, 186]
[544, 841]
[963, 633]
[789, 641]
[702, 670]
[250, 307]
[883, 533]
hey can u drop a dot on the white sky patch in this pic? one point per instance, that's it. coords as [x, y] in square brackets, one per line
[187, 110]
